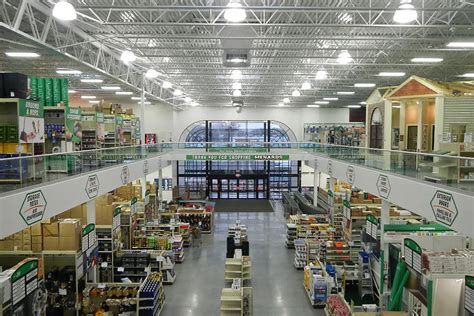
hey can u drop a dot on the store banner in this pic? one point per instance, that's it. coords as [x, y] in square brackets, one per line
[73, 125]
[238, 157]
[119, 129]
[30, 122]
[100, 127]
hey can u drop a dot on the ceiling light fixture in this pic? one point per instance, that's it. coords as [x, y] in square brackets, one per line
[152, 74]
[110, 88]
[71, 91]
[363, 103]
[346, 92]
[391, 74]
[123, 92]
[306, 85]
[236, 86]
[330, 99]
[426, 60]
[237, 60]
[94, 101]
[64, 11]
[88, 97]
[92, 80]
[281, 104]
[313, 106]
[166, 84]
[188, 100]
[137, 98]
[128, 57]
[178, 92]
[296, 93]
[194, 103]
[355, 106]
[22, 54]
[321, 102]
[286, 100]
[236, 74]
[234, 13]
[396, 106]
[237, 93]
[344, 57]
[405, 13]
[145, 103]
[468, 75]
[321, 75]
[68, 72]
[364, 85]
[461, 44]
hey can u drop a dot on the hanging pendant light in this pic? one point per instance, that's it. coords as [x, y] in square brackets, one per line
[127, 57]
[405, 13]
[64, 11]
[344, 57]
[321, 75]
[296, 93]
[306, 85]
[234, 13]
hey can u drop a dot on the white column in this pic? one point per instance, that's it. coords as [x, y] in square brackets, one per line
[332, 182]
[143, 182]
[160, 186]
[403, 111]
[91, 211]
[387, 125]
[384, 219]
[438, 121]
[419, 122]
[142, 111]
[316, 186]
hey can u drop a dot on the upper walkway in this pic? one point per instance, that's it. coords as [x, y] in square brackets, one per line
[434, 186]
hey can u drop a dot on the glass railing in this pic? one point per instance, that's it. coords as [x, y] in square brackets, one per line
[19, 171]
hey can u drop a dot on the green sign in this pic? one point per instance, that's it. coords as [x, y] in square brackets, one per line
[412, 252]
[133, 206]
[238, 157]
[99, 117]
[24, 269]
[237, 150]
[346, 203]
[30, 108]
[88, 238]
[371, 218]
[116, 218]
[118, 119]
[24, 282]
[434, 227]
[330, 193]
[469, 294]
[73, 125]
[88, 229]
[470, 281]
[413, 245]
[147, 197]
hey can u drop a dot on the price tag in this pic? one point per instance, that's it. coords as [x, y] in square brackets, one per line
[101, 286]
[62, 291]
[120, 269]
[104, 265]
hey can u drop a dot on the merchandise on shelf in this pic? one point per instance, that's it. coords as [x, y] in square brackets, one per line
[347, 134]
[301, 255]
[337, 306]
[290, 235]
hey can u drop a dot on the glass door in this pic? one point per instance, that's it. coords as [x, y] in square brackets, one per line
[215, 188]
[224, 192]
[233, 188]
[243, 189]
[251, 189]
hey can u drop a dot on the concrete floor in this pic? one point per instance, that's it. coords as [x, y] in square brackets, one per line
[277, 285]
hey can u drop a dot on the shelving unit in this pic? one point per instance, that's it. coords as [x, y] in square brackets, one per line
[237, 302]
[151, 296]
[106, 252]
[238, 268]
[291, 233]
[300, 253]
[90, 140]
[178, 248]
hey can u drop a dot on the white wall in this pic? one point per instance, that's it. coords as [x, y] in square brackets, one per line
[158, 120]
[293, 117]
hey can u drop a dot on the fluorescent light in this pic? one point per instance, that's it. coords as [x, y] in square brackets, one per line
[92, 80]
[281, 104]
[71, 91]
[22, 54]
[344, 57]
[330, 99]
[391, 74]
[166, 84]
[237, 60]
[194, 103]
[306, 85]
[94, 101]
[68, 72]
[355, 106]
[137, 98]
[363, 102]
[110, 88]
[146, 102]
[64, 11]
[123, 92]
[461, 44]
[188, 99]
[405, 13]
[468, 75]
[321, 102]
[236, 86]
[127, 57]
[177, 92]
[396, 106]
[87, 97]
[237, 93]
[236, 74]
[286, 100]
[346, 92]
[364, 85]
[321, 75]
[234, 13]
[426, 60]
[296, 93]
[151, 74]
[313, 106]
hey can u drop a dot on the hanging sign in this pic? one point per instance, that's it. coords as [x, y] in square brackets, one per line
[133, 206]
[444, 208]
[73, 125]
[469, 294]
[24, 281]
[383, 186]
[125, 175]
[100, 127]
[30, 122]
[88, 239]
[116, 219]
[350, 174]
[371, 226]
[330, 167]
[238, 157]
[92, 186]
[33, 207]
[412, 253]
[346, 209]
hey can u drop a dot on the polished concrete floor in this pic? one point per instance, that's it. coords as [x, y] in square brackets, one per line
[277, 285]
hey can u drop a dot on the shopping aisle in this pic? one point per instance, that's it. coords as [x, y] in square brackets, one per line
[277, 285]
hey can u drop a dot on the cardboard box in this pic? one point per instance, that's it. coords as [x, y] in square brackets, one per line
[37, 240]
[37, 247]
[70, 227]
[129, 111]
[26, 247]
[51, 229]
[51, 243]
[103, 214]
[18, 236]
[69, 243]
[17, 243]
[36, 230]
[6, 244]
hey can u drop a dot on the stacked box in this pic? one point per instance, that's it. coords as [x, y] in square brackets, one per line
[48, 91]
[34, 87]
[26, 239]
[65, 91]
[36, 238]
[104, 209]
[41, 91]
[50, 236]
[56, 82]
[70, 234]
[6, 244]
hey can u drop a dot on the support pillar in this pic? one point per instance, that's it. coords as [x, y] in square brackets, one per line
[316, 187]
[143, 182]
[438, 122]
[384, 219]
[387, 134]
[403, 111]
[91, 211]
[419, 123]
[142, 111]
[160, 187]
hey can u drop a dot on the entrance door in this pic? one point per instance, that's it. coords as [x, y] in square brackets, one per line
[237, 188]
[376, 136]
[412, 138]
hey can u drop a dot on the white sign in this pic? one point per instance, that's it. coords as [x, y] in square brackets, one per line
[350, 174]
[92, 186]
[33, 207]
[383, 186]
[330, 168]
[125, 175]
[444, 207]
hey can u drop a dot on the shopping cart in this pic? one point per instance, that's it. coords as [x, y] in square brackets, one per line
[197, 240]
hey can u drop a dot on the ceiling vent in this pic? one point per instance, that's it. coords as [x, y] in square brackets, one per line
[236, 58]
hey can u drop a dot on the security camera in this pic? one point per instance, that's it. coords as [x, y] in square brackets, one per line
[238, 109]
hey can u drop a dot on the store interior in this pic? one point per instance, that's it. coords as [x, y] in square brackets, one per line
[236, 158]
